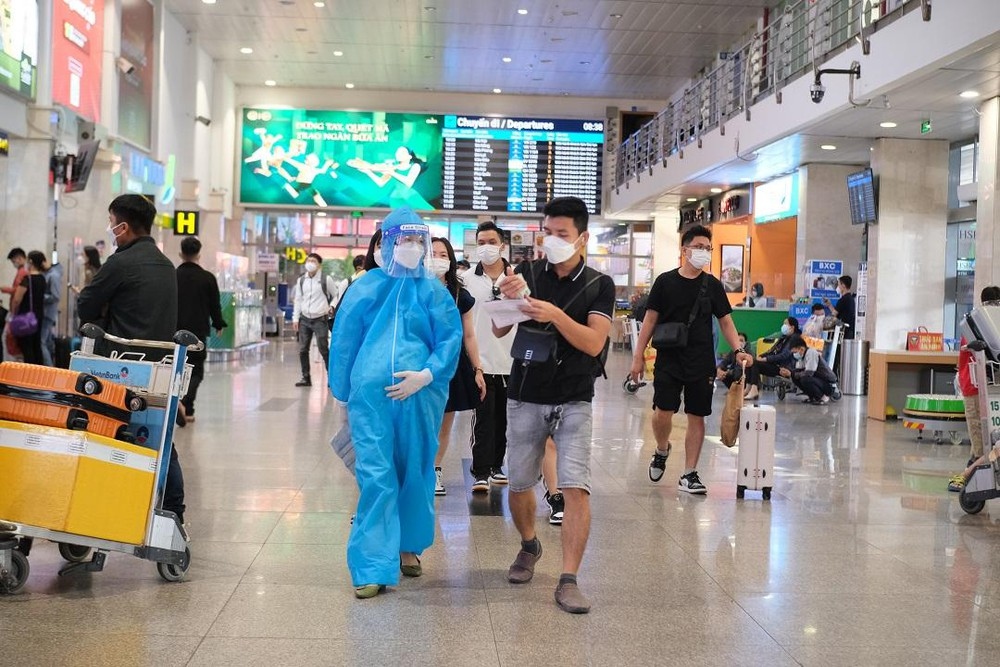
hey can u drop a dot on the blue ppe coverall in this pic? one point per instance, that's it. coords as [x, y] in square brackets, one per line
[394, 318]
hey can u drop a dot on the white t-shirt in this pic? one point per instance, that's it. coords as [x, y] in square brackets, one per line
[494, 353]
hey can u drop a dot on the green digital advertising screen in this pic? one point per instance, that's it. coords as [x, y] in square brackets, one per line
[361, 159]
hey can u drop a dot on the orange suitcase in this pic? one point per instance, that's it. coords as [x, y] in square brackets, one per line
[66, 399]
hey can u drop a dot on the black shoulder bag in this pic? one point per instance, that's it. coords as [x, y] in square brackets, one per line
[675, 334]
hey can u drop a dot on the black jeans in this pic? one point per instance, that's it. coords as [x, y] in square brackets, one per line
[173, 492]
[197, 361]
[309, 327]
[489, 428]
[814, 387]
[31, 348]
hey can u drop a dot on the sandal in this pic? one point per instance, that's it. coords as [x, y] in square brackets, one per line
[411, 570]
[368, 591]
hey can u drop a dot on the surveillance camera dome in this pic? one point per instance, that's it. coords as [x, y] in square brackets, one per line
[816, 92]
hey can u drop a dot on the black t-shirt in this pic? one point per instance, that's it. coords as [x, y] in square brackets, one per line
[672, 297]
[36, 302]
[845, 313]
[570, 375]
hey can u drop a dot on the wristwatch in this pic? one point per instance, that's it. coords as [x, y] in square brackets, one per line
[740, 350]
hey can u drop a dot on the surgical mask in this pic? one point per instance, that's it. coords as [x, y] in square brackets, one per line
[311, 267]
[488, 254]
[377, 256]
[700, 258]
[558, 251]
[786, 329]
[797, 355]
[439, 266]
[112, 237]
[408, 255]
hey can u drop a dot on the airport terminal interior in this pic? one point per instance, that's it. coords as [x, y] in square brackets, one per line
[839, 151]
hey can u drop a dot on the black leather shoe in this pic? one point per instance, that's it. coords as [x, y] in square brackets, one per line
[304, 382]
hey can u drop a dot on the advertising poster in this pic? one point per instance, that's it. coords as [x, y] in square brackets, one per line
[522, 246]
[732, 269]
[777, 199]
[823, 277]
[135, 88]
[360, 159]
[18, 46]
[77, 43]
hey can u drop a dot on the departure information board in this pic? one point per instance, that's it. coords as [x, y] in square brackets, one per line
[518, 164]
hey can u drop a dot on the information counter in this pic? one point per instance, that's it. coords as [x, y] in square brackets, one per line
[893, 374]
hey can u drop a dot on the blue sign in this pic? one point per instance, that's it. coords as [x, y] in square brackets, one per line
[823, 277]
[801, 312]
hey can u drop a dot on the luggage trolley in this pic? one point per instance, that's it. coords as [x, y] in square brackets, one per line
[984, 484]
[92, 493]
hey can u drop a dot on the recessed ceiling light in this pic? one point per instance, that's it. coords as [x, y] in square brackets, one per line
[497, 91]
[716, 191]
[969, 94]
[692, 199]
[430, 9]
[338, 53]
[887, 124]
[584, 62]
[208, 2]
[319, 4]
[506, 59]
[246, 50]
[828, 147]
[522, 12]
[615, 16]
[270, 82]
[321, 214]
[348, 85]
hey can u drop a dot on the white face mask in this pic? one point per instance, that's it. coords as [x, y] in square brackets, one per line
[311, 267]
[112, 237]
[700, 258]
[488, 254]
[439, 266]
[786, 329]
[408, 254]
[377, 256]
[558, 251]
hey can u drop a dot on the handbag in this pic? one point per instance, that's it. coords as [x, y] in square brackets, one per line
[675, 334]
[24, 324]
[729, 427]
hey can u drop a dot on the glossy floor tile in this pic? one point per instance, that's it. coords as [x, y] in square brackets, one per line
[861, 557]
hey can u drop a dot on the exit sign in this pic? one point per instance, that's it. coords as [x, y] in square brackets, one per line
[357, 214]
[925, 127]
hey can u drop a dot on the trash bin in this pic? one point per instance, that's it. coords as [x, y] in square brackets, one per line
[854, 368]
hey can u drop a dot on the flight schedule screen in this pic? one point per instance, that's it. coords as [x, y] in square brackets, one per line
[518, 164]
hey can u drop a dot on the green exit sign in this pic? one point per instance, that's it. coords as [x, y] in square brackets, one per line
[357, 214]
[925, 127]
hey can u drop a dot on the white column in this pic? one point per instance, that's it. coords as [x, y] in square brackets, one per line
[987, 207]
[666, 243]
[906, 259]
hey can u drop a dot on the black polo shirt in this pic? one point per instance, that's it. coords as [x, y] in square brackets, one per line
[570, 375]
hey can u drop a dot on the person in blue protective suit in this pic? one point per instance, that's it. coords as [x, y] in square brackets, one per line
[398, 336]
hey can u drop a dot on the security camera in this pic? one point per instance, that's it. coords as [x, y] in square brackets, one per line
[817, 91]
[125, 66]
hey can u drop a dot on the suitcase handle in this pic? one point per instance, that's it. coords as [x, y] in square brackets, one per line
[182, 337]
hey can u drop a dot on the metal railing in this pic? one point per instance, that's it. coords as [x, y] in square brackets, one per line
[802, 34]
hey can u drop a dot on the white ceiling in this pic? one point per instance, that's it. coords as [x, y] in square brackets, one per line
[569, 46]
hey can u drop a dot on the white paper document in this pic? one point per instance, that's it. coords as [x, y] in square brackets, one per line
[506, 312]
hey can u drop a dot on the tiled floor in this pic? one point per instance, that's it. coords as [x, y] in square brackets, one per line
[860, 558]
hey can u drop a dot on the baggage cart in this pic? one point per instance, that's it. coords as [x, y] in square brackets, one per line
[91, 494]
[984, 483]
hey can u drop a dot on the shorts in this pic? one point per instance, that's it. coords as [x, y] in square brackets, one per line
[530, 424]
[667, 389]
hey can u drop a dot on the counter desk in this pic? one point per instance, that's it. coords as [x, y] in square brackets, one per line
[892, 374]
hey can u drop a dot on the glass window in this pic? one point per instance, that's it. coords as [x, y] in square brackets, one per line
[967, 168]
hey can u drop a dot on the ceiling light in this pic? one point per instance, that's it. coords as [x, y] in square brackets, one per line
[246, 50]
[506, 59]
[692, 199]
[497, 91]
[319, 5]
[584, 62]
[522, 12]
[615, 16]
[828, 147]
[321, 214]
[270, 82]
[887, 124]
[716, 191]
[348, 85]
[969, 94]
[338, 53]
[430, 9]
[208, 2]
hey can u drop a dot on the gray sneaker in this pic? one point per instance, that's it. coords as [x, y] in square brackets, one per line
[570, 599]
[523, 568]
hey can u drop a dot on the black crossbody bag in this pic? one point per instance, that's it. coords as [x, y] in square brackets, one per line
[671, 335]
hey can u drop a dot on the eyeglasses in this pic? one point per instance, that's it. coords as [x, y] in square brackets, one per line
[700, 247]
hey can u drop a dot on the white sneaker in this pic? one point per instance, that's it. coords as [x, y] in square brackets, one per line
[438, 485]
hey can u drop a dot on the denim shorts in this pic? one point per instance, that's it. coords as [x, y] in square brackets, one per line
[529, 424]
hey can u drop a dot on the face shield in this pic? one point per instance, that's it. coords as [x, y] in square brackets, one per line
[406, 244]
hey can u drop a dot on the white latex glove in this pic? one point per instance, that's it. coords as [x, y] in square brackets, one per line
[411, 382]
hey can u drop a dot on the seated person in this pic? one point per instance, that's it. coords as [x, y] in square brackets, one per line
[811, 374]
[729, 372]
[755, 297]
[814, 325]
[779, 356]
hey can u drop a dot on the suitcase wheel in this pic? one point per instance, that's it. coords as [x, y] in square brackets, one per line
[741, 491]
[781, 392]
[77, 420]
[88, 385]
[135, 403]
[124, 435]
[766, 493]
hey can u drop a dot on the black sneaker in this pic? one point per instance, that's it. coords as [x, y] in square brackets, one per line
[557, 505]
[836, 395]
[304, 382]
[658, 464]
[691, 483]
[481, 485]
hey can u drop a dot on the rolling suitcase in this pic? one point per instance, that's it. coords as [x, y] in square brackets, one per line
[755, 461]
[66, 399]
